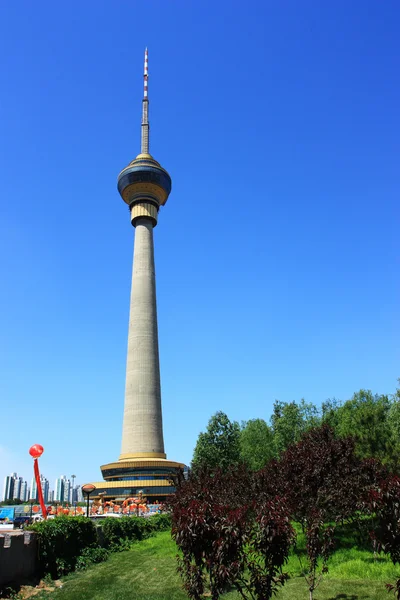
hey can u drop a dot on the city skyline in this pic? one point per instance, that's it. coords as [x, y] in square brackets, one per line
[16, 488]
[277, 274]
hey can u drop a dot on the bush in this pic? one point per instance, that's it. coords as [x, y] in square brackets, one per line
[160, 522]
[62, 541]
[227, 538]
[117, 532]
[69, 543]
[91, 556]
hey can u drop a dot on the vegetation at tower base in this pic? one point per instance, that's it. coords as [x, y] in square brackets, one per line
[321, 473]
[219, 446]
[62, 541]
[320, 546]
[220, 517]
[289, 421]
[256, 444]
[384, 504]
[119, 533]
[373, 419]
[227, 539]
[72, 543]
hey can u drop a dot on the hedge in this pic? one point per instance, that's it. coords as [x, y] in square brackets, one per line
[69, 543]
[117, 532]
[61, 541]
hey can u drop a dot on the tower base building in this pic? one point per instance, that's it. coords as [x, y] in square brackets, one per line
[126, 478]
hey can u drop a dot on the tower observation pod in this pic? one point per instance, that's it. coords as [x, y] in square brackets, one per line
[142, 466]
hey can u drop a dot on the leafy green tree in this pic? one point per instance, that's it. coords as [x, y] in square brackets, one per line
[219, 445]
[393, 421]
[329, 412]
[290, 420]
[366, 417]
[256, 443]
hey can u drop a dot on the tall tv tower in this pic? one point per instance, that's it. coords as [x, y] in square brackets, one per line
[145, 186]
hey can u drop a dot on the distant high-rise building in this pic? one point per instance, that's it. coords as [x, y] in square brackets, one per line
[24, 492]
[8, 489]
[74, 495]
[79, 494]
[51, 496]
[67, 491]
[61, 489]
[18, 481]
[45, 488]
[33, 495]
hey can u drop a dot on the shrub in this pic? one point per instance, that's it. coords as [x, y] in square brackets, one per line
[91, 556]
[228, 539]
[62, 541]
[117, 532]
[160, 522]
[320, 547]
[385, 503]
[321, 472]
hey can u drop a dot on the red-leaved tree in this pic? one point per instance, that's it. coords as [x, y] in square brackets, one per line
[385, 506]
[323, 481]
[228, 539]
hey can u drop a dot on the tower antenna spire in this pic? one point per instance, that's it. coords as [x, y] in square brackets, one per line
[145, 107]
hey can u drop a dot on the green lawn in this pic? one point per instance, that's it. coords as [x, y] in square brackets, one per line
[148, 572]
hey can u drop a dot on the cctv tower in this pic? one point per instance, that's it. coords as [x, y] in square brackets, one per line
[142, 466]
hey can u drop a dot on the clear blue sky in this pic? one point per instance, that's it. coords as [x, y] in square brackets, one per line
[277, 254]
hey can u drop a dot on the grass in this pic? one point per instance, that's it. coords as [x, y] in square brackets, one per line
[148, 572]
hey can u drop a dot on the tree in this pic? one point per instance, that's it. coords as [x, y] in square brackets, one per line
[227, 537]
[256, 444]
[393, 430]
[319, 548]
[13, 502]
[323, 473]
[219, 446]
[323, 480]
[290, 420]
[329, 410]
[385, 505]
[365, 416]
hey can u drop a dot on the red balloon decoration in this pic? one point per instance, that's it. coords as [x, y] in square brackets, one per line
[36, 450]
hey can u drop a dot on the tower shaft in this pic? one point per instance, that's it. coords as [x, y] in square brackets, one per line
[142, 466]
[142, 434]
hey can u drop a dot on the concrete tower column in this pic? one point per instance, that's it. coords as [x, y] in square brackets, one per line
[145, 187]
[142, 434]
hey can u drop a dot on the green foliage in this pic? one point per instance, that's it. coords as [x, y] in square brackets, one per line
[226, 539]
[61, 542]
[160, 522]
[290, 420]
[366, 417]
[219, 446]
[70, 543]
[373, 419]
[90, 556]
[256, 444]
[148, 572]
[119, 533]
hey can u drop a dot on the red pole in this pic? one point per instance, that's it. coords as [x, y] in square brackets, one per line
[39, 488]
